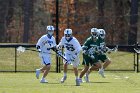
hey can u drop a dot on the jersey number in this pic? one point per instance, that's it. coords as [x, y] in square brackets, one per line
[70, 48]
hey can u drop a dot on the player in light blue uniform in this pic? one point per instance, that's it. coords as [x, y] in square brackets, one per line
[72, 50]
[44, 45]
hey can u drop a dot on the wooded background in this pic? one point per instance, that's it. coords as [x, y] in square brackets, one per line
[25, 21]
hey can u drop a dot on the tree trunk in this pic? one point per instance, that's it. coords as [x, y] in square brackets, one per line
[76, 12]
[119, 22]
[101, 13]
[27, 15]
[3, 14]
[132, 35]
[68, 13]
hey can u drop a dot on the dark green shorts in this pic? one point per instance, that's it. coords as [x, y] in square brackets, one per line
[102, 57]
[88, 61]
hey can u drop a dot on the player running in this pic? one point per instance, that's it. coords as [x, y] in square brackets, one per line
[103, 49]
[72, 50]
[101, 54]
[44, 45]
[90, 54]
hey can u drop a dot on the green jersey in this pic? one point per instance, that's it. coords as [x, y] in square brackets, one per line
[102, 56]
[92, 45]
[102, 42]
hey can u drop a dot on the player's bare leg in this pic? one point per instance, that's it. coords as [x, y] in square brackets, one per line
[83, 72]
[45, 71]
[92, 68]
[65, 73]
[106, 63]
[76, 75]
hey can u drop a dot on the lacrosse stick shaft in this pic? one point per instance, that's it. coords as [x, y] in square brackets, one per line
[55, 50]
[32, 50]
[137, 51]
[37, 51]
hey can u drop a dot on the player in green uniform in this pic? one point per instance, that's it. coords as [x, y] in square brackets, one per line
[102, 56]
[102, 49]
[90, 57]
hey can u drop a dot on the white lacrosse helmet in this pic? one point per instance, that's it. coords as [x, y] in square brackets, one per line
[50, 30]
[94, 32]
[68, 33]
[102, 33]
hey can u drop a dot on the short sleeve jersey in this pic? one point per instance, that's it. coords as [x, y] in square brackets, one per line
[70, 46]
[92, 44]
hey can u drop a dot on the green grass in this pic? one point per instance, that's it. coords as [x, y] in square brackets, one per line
[30, 60]
[115, 82]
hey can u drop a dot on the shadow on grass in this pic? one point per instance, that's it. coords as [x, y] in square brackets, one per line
[50, 83]
[99, 82]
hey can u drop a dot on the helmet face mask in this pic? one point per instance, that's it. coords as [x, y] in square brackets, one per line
[94, 33]
[68, 33]
[50, 30]
[102, 33]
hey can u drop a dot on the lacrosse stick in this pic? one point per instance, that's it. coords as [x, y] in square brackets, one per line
[22, 49]
[115, 49]
[59, 54]
[137, 50]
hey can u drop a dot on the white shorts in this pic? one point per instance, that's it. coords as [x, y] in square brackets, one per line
[74, 63]
[45, 59]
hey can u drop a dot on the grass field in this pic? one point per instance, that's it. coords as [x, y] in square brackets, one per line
[29, 60]
[115, 82]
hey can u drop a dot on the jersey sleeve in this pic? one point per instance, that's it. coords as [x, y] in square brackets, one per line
[87, 42]
[77, 46]
[41, 42]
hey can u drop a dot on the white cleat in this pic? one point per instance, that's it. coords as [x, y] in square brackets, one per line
[37, 73]
[101, 72]
[43, 81]
[77, 82]
[63, 79]
[86, 78]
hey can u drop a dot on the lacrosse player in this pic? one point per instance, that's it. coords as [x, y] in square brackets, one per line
[90, 55]
[44, 44]
[102, 54]
[72, 50]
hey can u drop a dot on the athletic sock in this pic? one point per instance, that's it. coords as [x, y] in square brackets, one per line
[65, 74]
[87, 74]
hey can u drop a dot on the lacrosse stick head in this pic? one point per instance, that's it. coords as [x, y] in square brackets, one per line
[21, 49]
[116, 48]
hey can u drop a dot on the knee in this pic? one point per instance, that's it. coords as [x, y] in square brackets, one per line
[108, 61]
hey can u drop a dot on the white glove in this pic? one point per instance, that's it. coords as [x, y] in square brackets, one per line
[59, 47]
[39, 50]
[59, 53]
[85, 52]
[91, 56]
